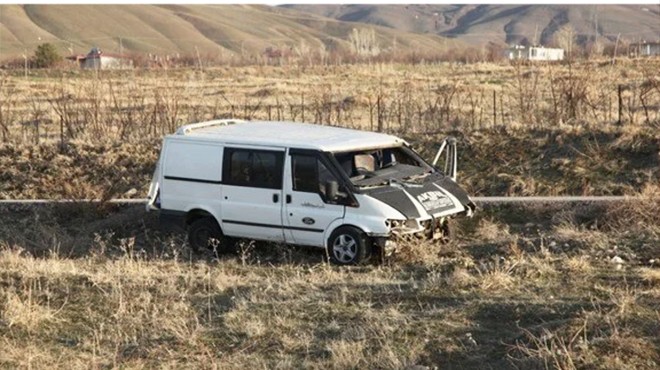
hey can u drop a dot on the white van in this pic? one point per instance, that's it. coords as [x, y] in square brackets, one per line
[345, 190]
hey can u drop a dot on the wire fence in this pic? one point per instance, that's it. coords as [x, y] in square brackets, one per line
[129, 105]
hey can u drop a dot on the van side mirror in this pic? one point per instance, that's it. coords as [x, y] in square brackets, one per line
[331, 190]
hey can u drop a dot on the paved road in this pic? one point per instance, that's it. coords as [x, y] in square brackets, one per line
[481, 200]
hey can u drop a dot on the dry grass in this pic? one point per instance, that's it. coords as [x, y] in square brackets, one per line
[536, 287]
[133, 297]
[25, 312]
[492, 231]
[76, 134]
[651, 275]
[103, 170]
[133, 105]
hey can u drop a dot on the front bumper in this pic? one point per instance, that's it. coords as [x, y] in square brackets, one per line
[433, 230]
[385, 244]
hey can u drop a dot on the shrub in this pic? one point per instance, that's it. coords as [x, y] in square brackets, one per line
[46, 56]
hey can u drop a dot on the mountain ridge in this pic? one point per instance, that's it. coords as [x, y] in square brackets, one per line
[184, 29]
[478, 25]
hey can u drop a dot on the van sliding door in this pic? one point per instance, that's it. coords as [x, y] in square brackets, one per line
[252, 192]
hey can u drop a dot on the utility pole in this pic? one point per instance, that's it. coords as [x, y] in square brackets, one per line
[199, 59]
[26, 64]
[595, 36]
[616, 46]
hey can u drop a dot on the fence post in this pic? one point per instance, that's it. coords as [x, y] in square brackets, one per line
[494, 108]
[279, 113]
[380, 119]
[371, 115]
[502, 110]
[620, 122]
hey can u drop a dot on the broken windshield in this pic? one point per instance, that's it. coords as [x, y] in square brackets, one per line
[374, 167]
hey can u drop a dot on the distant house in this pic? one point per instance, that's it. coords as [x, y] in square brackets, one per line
[646, 49]
[534, 53]
[96, 59]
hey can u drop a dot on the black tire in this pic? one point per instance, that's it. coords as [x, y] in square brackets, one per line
[205, 234]
[348, 246]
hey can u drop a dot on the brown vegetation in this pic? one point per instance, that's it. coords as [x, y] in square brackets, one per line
[523, 129]
[85, 286]
[129, 105]
[519, 287]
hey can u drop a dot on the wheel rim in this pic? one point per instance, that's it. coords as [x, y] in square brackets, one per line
[344, 248]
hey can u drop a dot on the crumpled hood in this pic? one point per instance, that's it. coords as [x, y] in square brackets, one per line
[436, 196]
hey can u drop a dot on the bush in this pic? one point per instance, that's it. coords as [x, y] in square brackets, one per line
[46, 56]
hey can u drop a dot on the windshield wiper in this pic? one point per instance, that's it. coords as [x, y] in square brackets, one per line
[417, 177]
[405, 184]
[388, 165]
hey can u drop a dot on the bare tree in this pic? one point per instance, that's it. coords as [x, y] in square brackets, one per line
[565, 39]
[363, 41]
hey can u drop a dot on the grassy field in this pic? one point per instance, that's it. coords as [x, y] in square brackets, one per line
[544, 286]
[522, 129]
[535, 162]
[519, 287]
[71, 105]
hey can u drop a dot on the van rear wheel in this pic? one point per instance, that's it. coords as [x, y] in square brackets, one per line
[205, 234]
[348, 246]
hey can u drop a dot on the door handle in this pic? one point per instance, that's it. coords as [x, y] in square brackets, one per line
[288, 199]
[276, 198]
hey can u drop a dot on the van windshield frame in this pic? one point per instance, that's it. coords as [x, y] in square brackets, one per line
[368, 167]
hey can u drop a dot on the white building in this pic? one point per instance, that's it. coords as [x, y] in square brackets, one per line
[96, 59]
[534, 53]
[647, 49]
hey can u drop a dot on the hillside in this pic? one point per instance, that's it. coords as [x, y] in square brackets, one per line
[171, 29]
[479, 24]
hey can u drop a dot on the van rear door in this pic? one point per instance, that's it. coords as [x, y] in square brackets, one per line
[252, 192]
[153, 201]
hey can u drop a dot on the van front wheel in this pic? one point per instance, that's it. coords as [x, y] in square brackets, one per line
[348, 246]
[205, 234]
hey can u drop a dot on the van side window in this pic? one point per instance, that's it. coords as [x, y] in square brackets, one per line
[253, 168]
[309, 174]
[305, 173]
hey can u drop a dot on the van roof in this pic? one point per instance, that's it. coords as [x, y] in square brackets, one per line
[288, 134]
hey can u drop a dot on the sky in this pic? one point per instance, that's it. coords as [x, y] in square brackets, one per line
[280, 2]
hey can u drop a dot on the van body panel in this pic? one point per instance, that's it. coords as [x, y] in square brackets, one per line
[307, 217]
[437, 196]
[190, 167]
[252, 213]
[292, 135]
[253, 178]
[306, 214]
[153, 197]
[371, 215]
[193, 160]
[251, 199]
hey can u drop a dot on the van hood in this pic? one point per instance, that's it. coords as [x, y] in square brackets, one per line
[436, 196]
